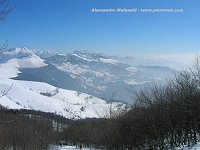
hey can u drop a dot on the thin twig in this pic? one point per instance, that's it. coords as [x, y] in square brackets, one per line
[5, 92]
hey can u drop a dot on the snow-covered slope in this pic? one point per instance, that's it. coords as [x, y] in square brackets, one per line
[101, 75]
[47, 98]
[14, 59]
[92, 73]
[42, 96]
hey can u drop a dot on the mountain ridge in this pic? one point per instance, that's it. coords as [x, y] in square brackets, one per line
[87, 72]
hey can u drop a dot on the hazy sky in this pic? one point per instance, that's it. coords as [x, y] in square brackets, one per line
[70, 25]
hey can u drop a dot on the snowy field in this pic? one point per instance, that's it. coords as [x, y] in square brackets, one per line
[195, 147]
[68, 148]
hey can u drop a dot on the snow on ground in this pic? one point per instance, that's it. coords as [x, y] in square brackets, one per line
[195, 147]
[47, 98]
[134, 82]
[14, 59]
[32, 61]
[42, 96]
[70, 148]
[83, 58]
[107, 60]
[8, 71]
[81, 69]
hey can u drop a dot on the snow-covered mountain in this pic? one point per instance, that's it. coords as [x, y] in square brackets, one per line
[47, 98]
[18, 94]
[98, 74]
[12, 60]
[92, 73]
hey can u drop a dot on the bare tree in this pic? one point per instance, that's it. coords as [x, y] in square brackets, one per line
[5, 9]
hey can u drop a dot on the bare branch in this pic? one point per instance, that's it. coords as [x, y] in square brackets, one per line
[5, 92]
[4, 46]
[5, 9]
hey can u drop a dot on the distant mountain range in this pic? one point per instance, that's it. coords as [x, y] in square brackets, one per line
[34, 93]
[93, 73]
[102, 76]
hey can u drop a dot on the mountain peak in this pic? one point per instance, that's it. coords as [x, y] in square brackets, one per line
[17, 51]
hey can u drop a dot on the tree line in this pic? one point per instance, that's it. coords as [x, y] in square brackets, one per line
[162, 117]
[29, 129]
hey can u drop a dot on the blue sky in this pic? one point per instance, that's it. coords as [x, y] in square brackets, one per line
[70, 25]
